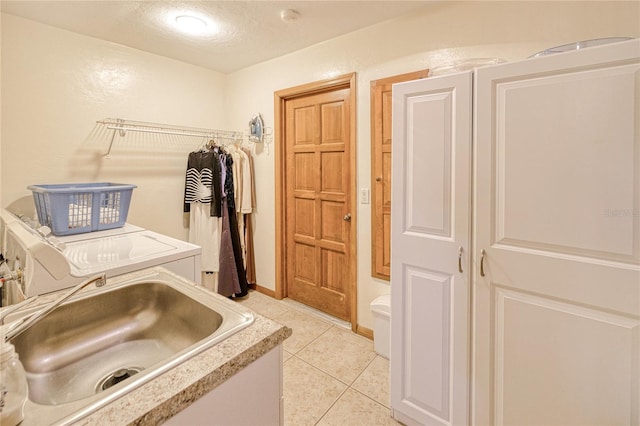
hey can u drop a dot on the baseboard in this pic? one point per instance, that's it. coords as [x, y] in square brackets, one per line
[265, 291]
[364, 331]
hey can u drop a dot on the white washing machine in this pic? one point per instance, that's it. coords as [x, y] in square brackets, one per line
[52, 263]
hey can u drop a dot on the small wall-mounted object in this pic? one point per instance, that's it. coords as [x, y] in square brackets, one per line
[256, 128]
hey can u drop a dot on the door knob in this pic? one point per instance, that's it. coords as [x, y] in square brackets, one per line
[347, 217]
[378, 178]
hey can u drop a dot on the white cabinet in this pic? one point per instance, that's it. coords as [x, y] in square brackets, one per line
[557, 212]
[430, 248]
[544, 327]
[251, 397]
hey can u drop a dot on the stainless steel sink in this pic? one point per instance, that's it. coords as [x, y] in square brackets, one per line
[104, 342]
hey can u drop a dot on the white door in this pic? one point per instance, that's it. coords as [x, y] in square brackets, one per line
[430, 265]
[556, 314]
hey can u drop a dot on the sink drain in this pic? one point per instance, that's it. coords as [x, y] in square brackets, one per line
[117, 377]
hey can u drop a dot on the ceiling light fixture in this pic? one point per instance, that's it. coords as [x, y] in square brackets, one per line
[289, 15]
[191, 24]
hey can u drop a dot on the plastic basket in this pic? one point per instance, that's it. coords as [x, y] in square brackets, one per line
[75, 208]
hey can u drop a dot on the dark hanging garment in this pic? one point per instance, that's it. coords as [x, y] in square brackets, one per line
[233, 225]
[228, 278]
[202, 181]
[251, 260]
[237, 253]
[231, 265]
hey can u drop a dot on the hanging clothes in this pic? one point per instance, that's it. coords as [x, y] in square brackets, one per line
[202, 181]
[219, 197]
[231, 266]
[248, 205]
[205, 231]
[202, 199]
[250, 257]
[228, 277]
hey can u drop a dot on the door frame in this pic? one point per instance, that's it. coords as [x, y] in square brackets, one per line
[346, 81]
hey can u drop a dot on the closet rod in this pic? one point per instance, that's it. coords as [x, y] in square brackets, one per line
[121, 126]
[141, 126]
[217, 133]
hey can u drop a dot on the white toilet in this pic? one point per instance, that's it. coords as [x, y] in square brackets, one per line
[381, 310]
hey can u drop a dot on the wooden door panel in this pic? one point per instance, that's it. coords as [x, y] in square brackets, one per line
[304, 161]
[305, 262]
[333, 228]
[386, 252]
[387, 108]
[386, 176]
[332, 170]
[305, 218]
[332, 265]
[304, 125]
[381, 138]
[319, 158]
[383, 238]
[333, 130]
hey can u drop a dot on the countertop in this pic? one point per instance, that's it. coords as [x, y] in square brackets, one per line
[163, 397]
[159, 400]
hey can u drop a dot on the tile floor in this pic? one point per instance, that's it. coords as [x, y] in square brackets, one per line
[332, 376]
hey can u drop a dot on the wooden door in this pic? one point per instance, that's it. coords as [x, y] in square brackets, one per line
[319, 211]
[557, 293]
[381, 171]
[430, 250]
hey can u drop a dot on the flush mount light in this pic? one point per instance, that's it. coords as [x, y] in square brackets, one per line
[289, 15]
[191, 24]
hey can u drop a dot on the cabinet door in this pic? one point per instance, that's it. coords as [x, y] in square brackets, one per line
[381, 106]
[556, 314]
[430, 242]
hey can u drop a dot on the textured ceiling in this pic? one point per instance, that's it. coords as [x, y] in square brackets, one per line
[250, 31]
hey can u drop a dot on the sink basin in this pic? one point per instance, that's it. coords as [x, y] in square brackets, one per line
[104, 342]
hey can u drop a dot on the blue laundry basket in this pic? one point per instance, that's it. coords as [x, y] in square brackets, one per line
[74, 208]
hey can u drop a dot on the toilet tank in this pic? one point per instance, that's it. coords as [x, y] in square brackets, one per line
[381, 310]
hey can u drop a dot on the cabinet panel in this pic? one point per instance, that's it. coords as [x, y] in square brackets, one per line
[260, 383]
[426, 348]
[585, 351]
[564, 161]
[430, 243]
[557, 307]
[428, 142]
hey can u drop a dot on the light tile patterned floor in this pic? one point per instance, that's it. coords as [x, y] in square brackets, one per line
[332, 376]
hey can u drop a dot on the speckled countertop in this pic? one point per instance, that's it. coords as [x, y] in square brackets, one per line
[160, 399]
[163, 397]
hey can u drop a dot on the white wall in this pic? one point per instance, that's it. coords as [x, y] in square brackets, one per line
[447, 31]
[56, 84]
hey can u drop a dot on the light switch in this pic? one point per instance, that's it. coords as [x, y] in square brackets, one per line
[364, 195]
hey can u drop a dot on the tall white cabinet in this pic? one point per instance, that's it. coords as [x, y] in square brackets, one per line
[538, 321]
[431, 247]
